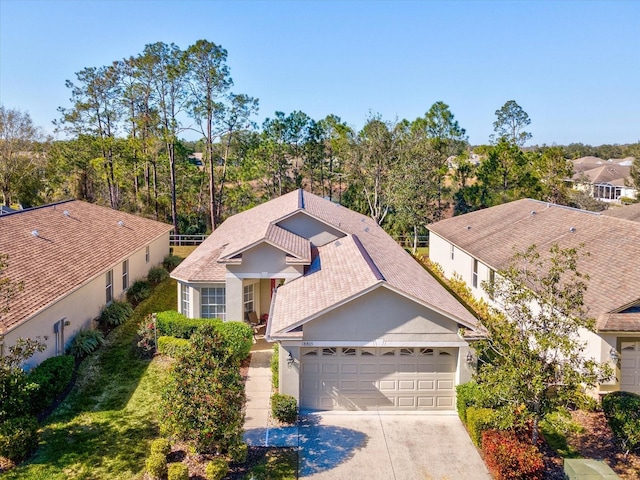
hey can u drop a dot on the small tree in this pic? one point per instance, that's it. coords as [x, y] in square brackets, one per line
[536, 355]
[204, 399]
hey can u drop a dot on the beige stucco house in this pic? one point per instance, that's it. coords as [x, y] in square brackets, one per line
[604, 180]
[478, 244]
[359, 323]
[73, 258]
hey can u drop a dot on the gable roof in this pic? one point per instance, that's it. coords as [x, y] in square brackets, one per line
[614, 174]
[364, 257]
[55, 249]
[494, 234]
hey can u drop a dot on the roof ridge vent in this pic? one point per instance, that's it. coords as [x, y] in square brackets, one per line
[572, 229]
[533, 212]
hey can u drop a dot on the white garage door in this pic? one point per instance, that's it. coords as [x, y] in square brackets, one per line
[630, 367]
[344, 378]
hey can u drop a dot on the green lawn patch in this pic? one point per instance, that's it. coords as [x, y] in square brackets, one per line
[103, 428]
[280, 464]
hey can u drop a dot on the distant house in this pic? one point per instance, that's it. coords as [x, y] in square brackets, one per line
[361, 325]
[4, 210]
[478, 244]
[73, 258]
[604, 180]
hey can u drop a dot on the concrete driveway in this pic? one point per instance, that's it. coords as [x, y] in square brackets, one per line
[354, 446]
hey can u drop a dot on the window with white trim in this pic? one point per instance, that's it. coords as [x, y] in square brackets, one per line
[146, 254]
[109, 286]
[125, 274]
[184, 299]
[474, 275]
[452, 251]
[247, 298]
[212, 303]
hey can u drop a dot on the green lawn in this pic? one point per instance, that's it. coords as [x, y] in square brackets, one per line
[277, 465]
[103, 429]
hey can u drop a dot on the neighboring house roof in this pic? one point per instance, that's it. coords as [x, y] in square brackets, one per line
[494, 234]
[628, 212]
[365, 257]
[4, 210]
[612, 174]
[56, 249]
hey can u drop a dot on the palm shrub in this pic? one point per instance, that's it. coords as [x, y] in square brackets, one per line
[139, 291]
[157, 275]
[85, 342]
[52, 376]
[115, 314]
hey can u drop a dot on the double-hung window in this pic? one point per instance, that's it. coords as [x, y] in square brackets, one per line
[125, 274]
[146, 254]
[109, 286]
[247, 298]
[474, 275]
[185, 299]
[213, 302]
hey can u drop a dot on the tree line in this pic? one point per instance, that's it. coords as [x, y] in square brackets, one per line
[125, 124]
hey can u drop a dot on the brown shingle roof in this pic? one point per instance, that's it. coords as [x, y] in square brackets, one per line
[493, 235]
[75, 242]
[628, 212]
[348, 268]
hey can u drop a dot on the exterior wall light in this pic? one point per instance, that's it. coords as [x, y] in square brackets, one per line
[470, 359]
[613, 353]
[290, 360]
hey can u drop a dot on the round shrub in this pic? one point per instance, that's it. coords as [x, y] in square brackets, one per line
[284, 408]
[178, 471]
[52, 376]
[216, 469]
[139, 291]
[161, 446]
[157, 275]
[511, 458]
[18, 437]
[156, 465]
[622, 410]
[85, 342]
[115, 314]
[239, 452]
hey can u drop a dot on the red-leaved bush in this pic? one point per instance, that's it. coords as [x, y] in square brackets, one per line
[511, 458]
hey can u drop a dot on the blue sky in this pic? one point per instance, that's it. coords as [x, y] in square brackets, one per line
[574, 66]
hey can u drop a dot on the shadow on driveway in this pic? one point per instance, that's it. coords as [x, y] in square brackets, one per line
[325, 446]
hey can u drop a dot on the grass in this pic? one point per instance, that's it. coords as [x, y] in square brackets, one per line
[183, 251]
[277, 465]
[104, 427]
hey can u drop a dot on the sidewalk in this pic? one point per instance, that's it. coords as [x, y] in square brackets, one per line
[258, 390]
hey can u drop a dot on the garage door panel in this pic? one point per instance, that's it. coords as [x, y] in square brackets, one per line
[378, 379]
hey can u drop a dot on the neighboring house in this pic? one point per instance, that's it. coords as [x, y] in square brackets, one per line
[361, 325]
[478, 244]
[4, 210]
[629, 212]
[73, 258]
[604, 180]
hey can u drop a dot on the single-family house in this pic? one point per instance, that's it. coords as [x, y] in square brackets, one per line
[604, 180]
[360, 324]
[478, 244]
[72, 258]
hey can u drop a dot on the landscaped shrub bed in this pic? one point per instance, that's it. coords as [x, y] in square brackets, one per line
[174, 324]
[479, 420]
[18, 437]
[115, 314]
[509, 457]
[622, 410]
[284, 408]
[170, 262]
[139, 291]
[157, 275]
[52, 376]
[85, 342]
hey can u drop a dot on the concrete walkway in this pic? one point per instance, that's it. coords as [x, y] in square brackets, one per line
[257, 431]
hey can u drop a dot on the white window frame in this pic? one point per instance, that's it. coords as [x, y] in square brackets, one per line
[147, 255]
[474, 273]
[453, 249]
[185, 299]
[216, 306]
[248, 298]
[109, 286]
[125, 274]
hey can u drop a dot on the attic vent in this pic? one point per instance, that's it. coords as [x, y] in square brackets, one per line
[533, 212]
[66, 213]
[572, 229]
[34, 233]
[337, 244]
[468, 227]
[121, 223]
[363, 219]
[366, 229]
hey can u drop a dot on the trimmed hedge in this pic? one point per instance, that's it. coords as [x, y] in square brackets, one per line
[156, 465]
[52, 376]
[216, 469]
[479, 420]
[174, 324]
[161, 446]
[239, 337]
[178, 471]
[18, 437]
[466, 396]
[284, 408]
[115, 314]
[622, 410]
[508, 457]
[172, 346]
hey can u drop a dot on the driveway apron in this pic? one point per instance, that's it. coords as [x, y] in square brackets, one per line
[387, 446]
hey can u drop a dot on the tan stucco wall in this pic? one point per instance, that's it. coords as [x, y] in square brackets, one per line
[317, 232]
[80, 307]
[381, 314]
[289, 381]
